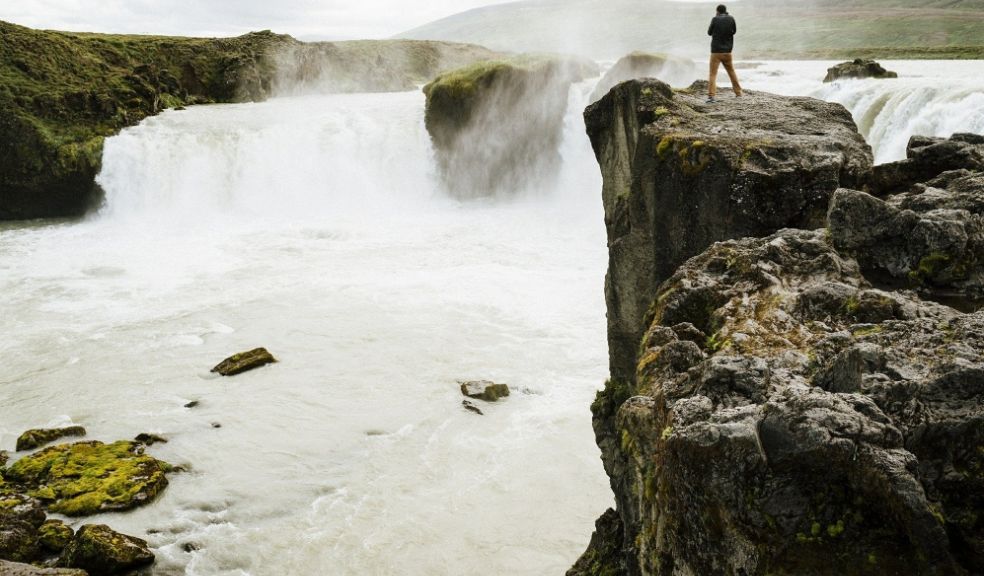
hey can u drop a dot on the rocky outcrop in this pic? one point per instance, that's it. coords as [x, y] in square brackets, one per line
[90, 477]
[789, 411]
[243, 362]
[670, 69]
[926, 159]
[63, 93]
[679, 175]
[856, 70]
[97, 549]
[497, 126]
[38, 437]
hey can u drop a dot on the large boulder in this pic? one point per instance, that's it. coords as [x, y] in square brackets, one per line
[99, 550]
[789, 418]
[680, 175]
[671, 69]
[926, 159]
[90, 477]
[497, 126]
[858, 69]
[930, 239]
[40, 436]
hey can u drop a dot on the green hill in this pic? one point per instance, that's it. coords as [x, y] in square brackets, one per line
[818, 29]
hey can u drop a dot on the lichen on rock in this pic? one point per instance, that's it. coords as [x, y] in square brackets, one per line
[99, 550]
[90, 477]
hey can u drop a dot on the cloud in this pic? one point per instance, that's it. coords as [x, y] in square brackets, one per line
[301, 18]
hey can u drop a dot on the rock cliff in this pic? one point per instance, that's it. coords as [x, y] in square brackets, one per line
[788, 410]
[497, 125]
[61, 94]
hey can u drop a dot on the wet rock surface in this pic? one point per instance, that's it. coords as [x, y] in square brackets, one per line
[484, 390]
[790, 411]
[244, 362]
[679, 175]
[857, 69]
[98, 549]
[40, 436]
[90, 477]
[497, 125]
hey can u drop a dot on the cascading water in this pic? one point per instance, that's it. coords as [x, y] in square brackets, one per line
[314, 226]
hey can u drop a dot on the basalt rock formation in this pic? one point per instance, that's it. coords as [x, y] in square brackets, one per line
[497, 126]
[858, 69]
[62, 93]
[665, 67]
[788, 411]
[680, 175]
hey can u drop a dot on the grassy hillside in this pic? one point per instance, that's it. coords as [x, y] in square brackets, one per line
[62, 93]
[767, 28]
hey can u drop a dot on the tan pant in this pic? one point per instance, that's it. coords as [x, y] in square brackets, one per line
[729, 66]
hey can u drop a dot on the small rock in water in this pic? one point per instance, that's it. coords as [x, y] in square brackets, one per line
[150, 439]
[190, 547]
[100, 550]
[484, 390]
[216, 425]
[244, 361]
[470, 406]
[192, 404]
[40, 436]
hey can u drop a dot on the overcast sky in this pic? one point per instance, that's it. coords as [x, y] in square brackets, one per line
[310, 19]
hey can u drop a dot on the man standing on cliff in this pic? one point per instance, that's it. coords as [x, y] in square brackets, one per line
[722, 32]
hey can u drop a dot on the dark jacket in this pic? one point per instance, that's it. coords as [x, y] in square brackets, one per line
[722, 30]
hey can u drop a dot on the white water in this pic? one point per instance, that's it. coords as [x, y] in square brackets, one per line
[314, 226]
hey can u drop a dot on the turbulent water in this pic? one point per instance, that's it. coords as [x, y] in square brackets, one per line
[315, 227]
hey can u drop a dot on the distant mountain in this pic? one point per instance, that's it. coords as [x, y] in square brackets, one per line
[766, 28]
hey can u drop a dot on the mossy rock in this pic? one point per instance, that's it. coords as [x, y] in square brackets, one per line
[100, 550]
[55, 535]
[484, 390]
[40, 436]
[91, 477]
[244, 361]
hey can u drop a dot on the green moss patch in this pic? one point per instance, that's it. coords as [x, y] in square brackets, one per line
[90, 477]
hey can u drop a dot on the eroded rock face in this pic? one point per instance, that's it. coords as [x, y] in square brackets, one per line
[858, 69]
[99, 550]
[670, 69]
[497, 126]
[90, 477]
[40, 436]
[679, 175]
[821, 426]
[926, 159]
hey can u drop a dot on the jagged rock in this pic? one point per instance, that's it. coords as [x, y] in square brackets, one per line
[931, 239]
[244, 361]
[858, 69]
[99, 550]
[20, 518]
[150, 439]
[17, 569]
[497, 126]
[40, 436]
[54, 535]
[90, 477]
[665, 67]
[928, 158]
[679, 175]
[484, 390]
[604, 554]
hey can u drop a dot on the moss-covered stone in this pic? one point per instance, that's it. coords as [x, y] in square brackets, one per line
[40, 436]
[90, 477]
[244, 361]
[99, 550]
[484, 390]
[54, 535]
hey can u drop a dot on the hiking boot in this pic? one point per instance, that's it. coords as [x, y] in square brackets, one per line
[710, 100]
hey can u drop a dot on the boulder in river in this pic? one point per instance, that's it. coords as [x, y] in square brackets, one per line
[40, 436]
[484, 390]
[99, 550]
[858, 69]
[90, 477]
[244, 361]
